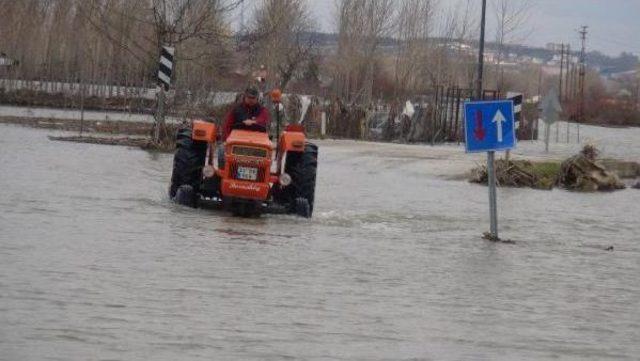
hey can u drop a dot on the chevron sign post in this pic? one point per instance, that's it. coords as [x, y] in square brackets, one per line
[165, 68]
[517, 107]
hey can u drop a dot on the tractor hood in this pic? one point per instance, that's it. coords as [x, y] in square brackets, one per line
[245, 137]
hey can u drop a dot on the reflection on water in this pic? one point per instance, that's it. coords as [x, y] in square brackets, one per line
[96, 263]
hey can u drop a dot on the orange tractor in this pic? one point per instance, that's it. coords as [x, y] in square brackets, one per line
[253, 177]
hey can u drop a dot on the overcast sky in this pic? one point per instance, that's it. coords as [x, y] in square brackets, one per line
[614, 25]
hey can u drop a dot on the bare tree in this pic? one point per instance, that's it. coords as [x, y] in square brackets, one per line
[511, 26]
[115, 39]
[361, 26]
[415, 24]
[282, 39]
[454, 62]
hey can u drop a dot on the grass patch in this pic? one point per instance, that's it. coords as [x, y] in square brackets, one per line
[520, 173]
[546, 173]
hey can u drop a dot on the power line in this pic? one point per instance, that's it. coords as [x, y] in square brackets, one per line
[616, 41]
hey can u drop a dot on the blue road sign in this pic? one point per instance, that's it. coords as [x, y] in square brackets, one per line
[489, 125]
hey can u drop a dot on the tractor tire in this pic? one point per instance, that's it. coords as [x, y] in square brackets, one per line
[302, 167]
[302, 207]
[188, 162]
[186, 196]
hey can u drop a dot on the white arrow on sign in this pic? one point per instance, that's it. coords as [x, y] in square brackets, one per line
[499, 118]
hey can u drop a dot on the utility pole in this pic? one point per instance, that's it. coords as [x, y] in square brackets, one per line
[582, 71]
[491, 171]
[82, 93]
[576, 75]
[560, 89]
[539, 80]
[567, 87]
[637, 105]
[567, 62]
[539, 99]
[481, 52]
[561, 70]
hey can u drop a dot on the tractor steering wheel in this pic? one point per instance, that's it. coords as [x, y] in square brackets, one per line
[254, 127]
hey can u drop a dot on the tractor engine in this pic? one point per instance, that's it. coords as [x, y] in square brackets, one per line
[247, 171]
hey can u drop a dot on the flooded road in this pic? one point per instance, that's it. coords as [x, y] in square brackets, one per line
[97, 264]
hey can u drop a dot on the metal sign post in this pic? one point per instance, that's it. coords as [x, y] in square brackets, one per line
[490, 126]
[493, 199]
[551, 108]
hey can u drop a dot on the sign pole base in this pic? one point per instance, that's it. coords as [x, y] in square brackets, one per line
[493, 205]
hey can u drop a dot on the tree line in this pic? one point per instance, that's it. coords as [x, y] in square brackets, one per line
[117, 42]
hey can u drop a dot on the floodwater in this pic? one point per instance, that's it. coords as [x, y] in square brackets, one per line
[97, 264]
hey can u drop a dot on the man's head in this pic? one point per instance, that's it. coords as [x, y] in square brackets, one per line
[251, 96]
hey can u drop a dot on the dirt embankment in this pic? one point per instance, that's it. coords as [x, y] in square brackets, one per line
[34, 98]
[90, 126]
[143, 143]
[133, 134]
[142, 132]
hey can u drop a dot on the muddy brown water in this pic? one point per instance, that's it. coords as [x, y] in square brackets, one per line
[97, 264]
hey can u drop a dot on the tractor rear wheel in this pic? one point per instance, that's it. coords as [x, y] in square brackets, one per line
[302, 167]
[188, 162]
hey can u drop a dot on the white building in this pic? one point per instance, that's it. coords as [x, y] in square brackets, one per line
[5, 61]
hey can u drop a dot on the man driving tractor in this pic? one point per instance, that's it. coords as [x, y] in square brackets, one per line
[248, 115]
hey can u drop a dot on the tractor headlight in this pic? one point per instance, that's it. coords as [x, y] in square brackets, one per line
[285, 179]
[208, 171]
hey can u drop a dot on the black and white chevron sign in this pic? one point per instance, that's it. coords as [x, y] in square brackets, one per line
[517, 106]
[165, 68]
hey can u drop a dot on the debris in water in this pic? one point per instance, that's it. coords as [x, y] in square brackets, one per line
[489, 237]
[582, 173]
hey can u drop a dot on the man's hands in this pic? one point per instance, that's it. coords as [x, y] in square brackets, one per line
[249, 122]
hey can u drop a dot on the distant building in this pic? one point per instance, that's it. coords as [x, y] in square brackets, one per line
[624, 93]
[490, 57]
[553, 47]
[630, 74]
[537, 61]
[5, 60]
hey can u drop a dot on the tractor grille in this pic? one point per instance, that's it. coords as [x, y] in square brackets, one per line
[251, 164]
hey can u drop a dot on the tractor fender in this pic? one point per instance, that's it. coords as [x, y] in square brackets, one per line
[292, 142]
[204, 131]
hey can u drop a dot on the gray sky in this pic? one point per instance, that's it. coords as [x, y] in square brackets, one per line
[613, 24]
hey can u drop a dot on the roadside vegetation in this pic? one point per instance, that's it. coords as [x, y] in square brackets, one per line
[582, 172]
